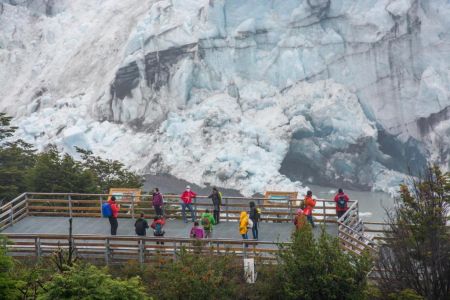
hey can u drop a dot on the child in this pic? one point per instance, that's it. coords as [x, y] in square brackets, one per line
[197, 232]
[157, 225]
[141, 226]
[207, 223]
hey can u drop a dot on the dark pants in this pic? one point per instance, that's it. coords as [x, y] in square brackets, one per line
[183, 211]
[114, 225]
[217, 216]
[340, 213]
[255, 230]
[158, 210]
[310, 220]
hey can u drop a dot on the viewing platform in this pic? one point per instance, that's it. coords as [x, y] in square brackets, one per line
[37, 224]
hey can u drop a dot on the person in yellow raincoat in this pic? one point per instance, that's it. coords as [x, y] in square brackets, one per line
[243, 225]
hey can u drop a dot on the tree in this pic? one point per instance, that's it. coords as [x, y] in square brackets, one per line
[7, 282]
[54, 172]
[311, 268]
[6, 130]
[416, 255]
[16, 158]
[109, 173]
[90, 282]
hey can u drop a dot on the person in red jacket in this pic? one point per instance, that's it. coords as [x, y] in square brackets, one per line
[310, 203]
[187, 197]
[115, 213]
[341, 200]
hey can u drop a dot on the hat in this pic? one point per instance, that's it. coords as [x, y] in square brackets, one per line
[188, 187]
[299, 211]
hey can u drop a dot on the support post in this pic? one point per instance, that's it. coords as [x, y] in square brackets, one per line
[174, 250]
[37, 243]
[70, 206]
[101, 203]
[226, 212]
[27, 210]
[132, 206]
[141, 252]
[11, 215]
[324, 212]
[107, 251]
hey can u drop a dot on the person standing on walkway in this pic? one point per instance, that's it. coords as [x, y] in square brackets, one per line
[187, 197]
[115, 213]
[216, 198]
[341, 200]
[243, 225]
[140, 226]
[310, 203]
[158, 202]
[300, 220]
[255, 215]
[207, 223]
[196, 231]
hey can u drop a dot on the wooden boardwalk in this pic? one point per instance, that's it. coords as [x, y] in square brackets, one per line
[268, 231]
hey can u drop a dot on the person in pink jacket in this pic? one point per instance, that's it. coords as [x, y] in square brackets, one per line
[186, 199]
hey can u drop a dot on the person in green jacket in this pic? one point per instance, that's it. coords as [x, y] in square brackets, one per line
[207, 223]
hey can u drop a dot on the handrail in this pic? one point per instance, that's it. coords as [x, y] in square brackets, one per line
[231, 206]
[13, 211]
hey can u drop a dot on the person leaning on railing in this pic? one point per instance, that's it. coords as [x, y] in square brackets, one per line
[341, 200]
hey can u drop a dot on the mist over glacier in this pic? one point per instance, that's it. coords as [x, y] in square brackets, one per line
[248, 95]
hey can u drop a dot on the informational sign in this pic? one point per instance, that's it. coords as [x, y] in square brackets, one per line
[126, 194]
[280, 197]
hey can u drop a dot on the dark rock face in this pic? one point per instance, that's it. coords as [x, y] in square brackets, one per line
[157, 71]
[158, 64]
[426, 125]
[127, 78]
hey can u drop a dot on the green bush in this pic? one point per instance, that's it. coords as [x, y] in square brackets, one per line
[90, 282]
[312, 268]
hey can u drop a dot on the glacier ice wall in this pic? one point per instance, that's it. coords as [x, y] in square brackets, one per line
[244, 94]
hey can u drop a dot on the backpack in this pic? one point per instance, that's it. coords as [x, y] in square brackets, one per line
[106, 210]
[258, 214]
[158, 230]
[220, 198]
[140, 227]
[206, 223]
[250, 223]
[341, 202]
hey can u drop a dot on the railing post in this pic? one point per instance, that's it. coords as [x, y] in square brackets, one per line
[101, 203]
[290, 209]
[70, 206]
[141, 252]
[107, 251]
[27, 210]
[226, 212]
[324, 212]
[132, 207]
[37, 243]
[174, 250]
[11, 215]
[195, 208]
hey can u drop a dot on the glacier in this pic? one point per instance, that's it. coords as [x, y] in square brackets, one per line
[250, 95]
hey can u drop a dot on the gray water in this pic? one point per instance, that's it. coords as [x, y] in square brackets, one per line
[372, 205]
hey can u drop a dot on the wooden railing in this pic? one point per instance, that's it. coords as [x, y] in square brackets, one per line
[13, 211]
[113, 249]
[351, 232]
[89, 205]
